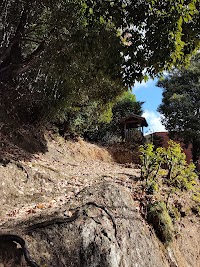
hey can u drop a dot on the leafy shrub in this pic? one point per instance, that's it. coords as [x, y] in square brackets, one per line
[151, 161]
[180, 175]
[166, 172]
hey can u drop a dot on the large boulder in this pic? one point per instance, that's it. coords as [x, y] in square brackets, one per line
[100, 227]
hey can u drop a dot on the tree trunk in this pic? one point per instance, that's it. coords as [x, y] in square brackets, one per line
[195, 152]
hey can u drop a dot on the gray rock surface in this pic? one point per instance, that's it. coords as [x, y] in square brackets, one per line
[101, 227]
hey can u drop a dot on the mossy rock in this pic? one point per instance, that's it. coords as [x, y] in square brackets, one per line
[159, 218]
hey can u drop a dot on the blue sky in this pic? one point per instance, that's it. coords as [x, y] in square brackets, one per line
[152, 96]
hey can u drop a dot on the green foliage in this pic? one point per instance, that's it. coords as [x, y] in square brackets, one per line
[151, 161]
[174, 213]
[58, 55]
[152, 31]
[175, 177]
[125, 106]
[106, 114]
[126, 101]
[152, 187]
[158, 216]
[180, 175]
[182, 93]
[127, 96]
[71, 65]
[99, 122]
[83, 121]
[196, 196]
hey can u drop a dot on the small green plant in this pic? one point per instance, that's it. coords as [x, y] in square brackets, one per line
[151, 161]
[196, 196]
[152, 187]
[181, 176]
[174, 213]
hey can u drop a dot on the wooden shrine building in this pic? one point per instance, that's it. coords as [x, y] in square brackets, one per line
[133, 126]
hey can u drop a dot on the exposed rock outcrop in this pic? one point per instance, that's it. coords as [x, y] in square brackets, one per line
[100, 227]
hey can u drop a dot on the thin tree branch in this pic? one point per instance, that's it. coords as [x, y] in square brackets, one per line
[3, 6]
[13, 70]
[18, 35]
[32, 40]
[27, 63]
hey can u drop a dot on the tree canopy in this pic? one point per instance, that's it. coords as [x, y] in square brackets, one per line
[181, 104]
[124, 106]
[95, 122]
[55, 55]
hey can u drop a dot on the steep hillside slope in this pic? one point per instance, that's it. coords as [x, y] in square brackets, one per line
[74, 206]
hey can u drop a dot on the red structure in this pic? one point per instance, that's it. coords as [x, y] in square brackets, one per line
[162, 138]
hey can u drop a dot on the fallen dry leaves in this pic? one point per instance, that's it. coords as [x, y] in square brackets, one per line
[56, 177]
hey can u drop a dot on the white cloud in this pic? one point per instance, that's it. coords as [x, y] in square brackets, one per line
[143, 84]
[138, 85]
[154, 122]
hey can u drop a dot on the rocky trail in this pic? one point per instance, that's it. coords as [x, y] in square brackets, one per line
[48, 181]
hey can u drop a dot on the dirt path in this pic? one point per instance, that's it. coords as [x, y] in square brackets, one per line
[48, 181]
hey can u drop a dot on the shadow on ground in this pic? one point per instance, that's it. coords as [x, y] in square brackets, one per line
[21, 144]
